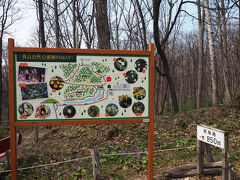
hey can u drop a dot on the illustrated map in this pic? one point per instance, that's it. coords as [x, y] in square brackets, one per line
[52, 86]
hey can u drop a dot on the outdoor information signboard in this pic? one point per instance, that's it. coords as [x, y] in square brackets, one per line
[53, 86]
[80, 86]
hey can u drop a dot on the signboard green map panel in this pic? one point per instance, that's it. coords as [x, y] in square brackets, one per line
[52, 86]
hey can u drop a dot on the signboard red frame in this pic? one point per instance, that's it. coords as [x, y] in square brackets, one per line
[13, 123]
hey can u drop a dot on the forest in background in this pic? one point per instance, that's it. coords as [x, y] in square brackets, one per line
[193, 69]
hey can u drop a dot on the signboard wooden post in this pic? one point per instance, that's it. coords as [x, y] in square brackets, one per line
[53, 86]
[216, 138]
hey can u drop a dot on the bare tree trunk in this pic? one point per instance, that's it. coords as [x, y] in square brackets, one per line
[41, 25]
[194, 82]
[57, 28]
[118, 18]
[201, 56]
[88, 40]
[103, 31]
[74, 24]
[164, 98]
[8, 16]
[156, 5]
[143, 25]
[1, 76]
[238, 49]
[157, 85]
[225, 53]
[212, 55]
[238, 27]
[222, 56]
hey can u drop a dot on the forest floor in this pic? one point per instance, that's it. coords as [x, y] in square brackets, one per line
[123, 148]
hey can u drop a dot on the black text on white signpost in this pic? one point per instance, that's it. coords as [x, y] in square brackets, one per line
[211, 136]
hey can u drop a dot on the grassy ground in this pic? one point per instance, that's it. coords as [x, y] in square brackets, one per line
[62, 143]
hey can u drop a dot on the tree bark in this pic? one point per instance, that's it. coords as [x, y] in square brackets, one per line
[157, 85]
[156, 5]
[57, 27]
[1, 75]
[41, 24]
[201, 56]
[222, 56]
[239, 27]
[212, 55]
[84, 29]
[225, 53]
[74, 24]
[143, 25]
[164, 98]
[103, 31]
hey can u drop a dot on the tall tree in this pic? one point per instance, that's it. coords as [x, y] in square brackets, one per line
[53, 11]
[57, 26]
[103, 31]
[201, 17]
[143, 25]
[212, 54]
[222, 29]
[8, 16]
[160, 47]
[117, 12]
[74, 23]
[42, 39]
[86, 21]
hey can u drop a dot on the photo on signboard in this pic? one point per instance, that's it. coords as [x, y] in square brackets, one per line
[111, 109]
[25, 109]
[93, 111]
[69, 111]
[141, 65]
[139, 93]
[42, 111]
[125, 101]
[34, 91]
[31, 74]
[131, 77]
[120, 64]
[138, 108]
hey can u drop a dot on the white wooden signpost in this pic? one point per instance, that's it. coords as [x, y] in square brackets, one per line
[217, 138]
[211, 136]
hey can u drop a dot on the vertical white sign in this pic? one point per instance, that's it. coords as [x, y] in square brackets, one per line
[211, 136]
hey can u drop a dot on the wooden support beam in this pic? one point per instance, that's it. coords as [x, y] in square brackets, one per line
[200, 158]
[96, 164]
[225, 166]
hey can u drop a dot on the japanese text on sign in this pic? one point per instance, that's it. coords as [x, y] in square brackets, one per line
[45, 57]
[211, 136]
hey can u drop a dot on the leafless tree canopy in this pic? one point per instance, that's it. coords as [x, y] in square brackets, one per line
[9, 14]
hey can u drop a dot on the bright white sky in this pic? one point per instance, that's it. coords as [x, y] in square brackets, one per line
[23, 29]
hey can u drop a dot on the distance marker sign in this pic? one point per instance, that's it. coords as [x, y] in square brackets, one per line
[58, 86]
[211, 136]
